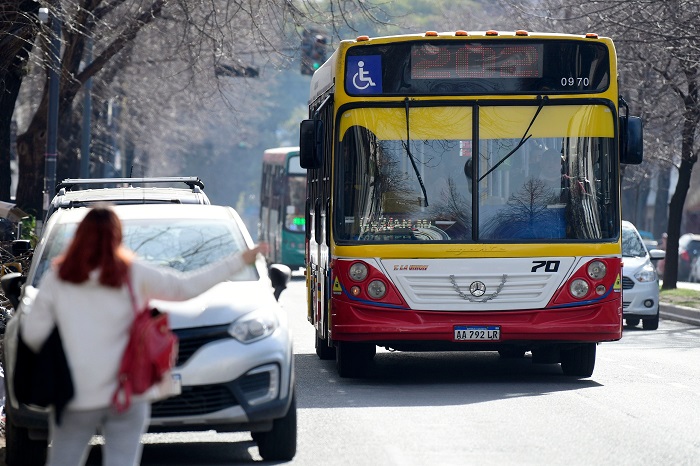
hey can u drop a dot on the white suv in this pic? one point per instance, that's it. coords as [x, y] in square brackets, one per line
[83, 192]
[232, 380]
[640, 282]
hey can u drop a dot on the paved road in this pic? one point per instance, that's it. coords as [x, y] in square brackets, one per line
[642, 406]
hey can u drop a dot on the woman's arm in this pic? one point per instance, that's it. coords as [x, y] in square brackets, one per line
[153, 282]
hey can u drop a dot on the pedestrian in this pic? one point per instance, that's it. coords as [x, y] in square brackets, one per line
[86, 296]
[661, 264]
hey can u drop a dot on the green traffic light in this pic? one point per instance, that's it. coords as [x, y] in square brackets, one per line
[317, 66]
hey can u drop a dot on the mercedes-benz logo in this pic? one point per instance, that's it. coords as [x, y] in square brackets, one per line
[477, 289]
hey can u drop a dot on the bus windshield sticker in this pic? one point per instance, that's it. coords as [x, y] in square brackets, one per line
[364, 74]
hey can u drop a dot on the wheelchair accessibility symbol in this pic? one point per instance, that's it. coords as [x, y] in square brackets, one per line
[363, 77]
[364, 74]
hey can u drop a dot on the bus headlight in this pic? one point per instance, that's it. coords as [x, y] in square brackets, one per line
[376, 289]
[253, 326]
[579, 288]
[358, 271]
[597, 270]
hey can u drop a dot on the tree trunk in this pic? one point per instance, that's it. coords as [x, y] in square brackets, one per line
[675, 211]
[31, 147]
[661, 206]
[17, 32]
[8, 98]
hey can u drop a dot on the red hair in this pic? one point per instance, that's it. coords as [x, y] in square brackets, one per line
[97, 244]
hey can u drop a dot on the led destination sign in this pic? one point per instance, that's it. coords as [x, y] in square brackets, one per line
[476, 67]
[480, 60]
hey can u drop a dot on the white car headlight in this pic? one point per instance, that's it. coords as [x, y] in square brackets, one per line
[646, 274]
[254, 326]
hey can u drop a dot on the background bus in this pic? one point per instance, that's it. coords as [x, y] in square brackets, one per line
[282, 196]
[464, 194]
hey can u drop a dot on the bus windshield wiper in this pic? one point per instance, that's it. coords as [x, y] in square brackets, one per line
[523, 139]
[407, 148]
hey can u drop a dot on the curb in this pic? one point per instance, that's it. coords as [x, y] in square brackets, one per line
[683, 314]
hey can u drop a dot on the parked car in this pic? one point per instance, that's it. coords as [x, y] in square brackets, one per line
[694, 275]
[235, 360]
[83, 192]
[640, 282]
[688, 251]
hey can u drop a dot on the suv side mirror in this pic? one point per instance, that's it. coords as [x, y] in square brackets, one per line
[631, 140]
[279, 277]
[657, 254]
[311, 144]
[12, 287]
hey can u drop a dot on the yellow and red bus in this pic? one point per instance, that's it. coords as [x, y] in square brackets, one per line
[463, 193]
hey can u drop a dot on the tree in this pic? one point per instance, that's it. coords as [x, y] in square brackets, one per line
[186, 37]
[18, 28]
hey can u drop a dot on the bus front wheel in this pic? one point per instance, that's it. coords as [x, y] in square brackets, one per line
[353, 359]
[578, 361]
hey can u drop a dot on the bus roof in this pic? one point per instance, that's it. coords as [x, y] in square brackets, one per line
[323, 78]
[278, 155]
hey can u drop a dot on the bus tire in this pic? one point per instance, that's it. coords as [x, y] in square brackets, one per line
[279, 444]
[353, 359]
[323, 351]
[579, 361]
[632, 322]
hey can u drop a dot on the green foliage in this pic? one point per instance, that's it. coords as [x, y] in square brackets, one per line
[28, 230]
[680, 297]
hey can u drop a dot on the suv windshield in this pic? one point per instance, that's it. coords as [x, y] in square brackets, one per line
[554, 185]
[184, 244]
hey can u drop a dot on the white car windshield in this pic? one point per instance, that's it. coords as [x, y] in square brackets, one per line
[182, 244]
[632, 245]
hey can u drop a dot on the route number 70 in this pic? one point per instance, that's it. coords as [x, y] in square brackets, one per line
[549, 266]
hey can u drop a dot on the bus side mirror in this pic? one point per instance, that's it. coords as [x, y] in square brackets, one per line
[631, 140]
[311, 144]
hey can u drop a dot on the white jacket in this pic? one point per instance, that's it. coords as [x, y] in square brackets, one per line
[94, 320]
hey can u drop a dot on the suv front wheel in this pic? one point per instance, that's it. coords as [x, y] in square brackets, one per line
[280, 444]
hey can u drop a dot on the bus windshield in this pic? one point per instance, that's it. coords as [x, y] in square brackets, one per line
[296, 194]
[536, 176]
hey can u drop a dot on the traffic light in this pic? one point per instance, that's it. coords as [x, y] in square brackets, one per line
[313, 50]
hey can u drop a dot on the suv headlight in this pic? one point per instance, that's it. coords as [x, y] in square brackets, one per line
[646, 274]
[254, 326]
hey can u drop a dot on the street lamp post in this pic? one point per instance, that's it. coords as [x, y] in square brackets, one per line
[54, 60]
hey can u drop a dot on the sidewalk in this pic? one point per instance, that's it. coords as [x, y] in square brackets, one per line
[688, 315]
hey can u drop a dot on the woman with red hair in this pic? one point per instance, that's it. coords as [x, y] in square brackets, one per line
[85, 295]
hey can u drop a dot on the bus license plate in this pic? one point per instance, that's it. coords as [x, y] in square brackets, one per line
[481, 333]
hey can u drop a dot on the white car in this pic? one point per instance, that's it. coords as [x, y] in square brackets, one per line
[640, 282]
[235, 361]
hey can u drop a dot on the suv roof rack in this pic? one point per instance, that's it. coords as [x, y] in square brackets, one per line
[69, 183]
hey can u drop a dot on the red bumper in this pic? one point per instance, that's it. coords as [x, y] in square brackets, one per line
[593, 323]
